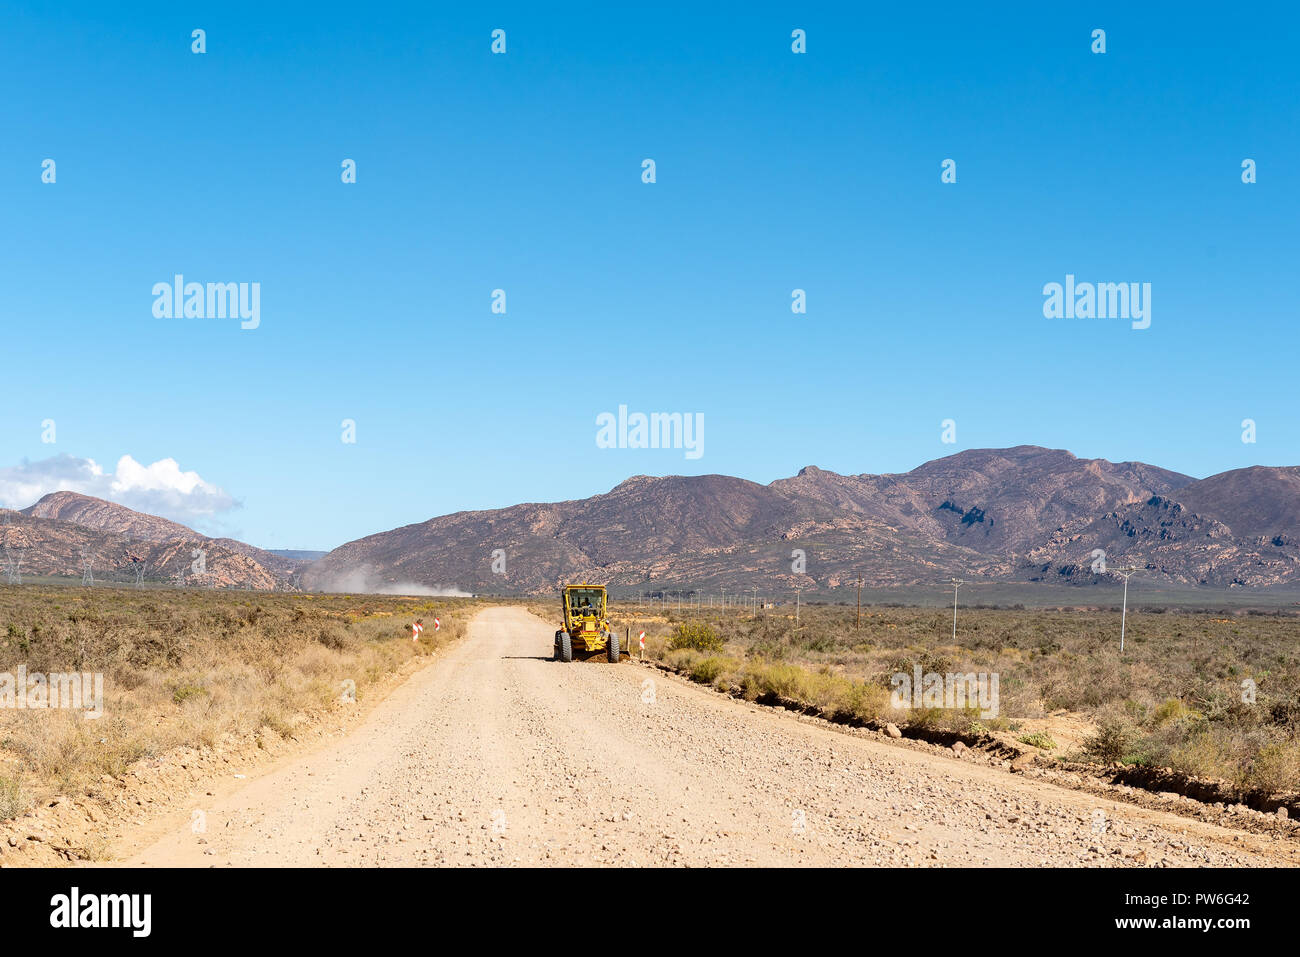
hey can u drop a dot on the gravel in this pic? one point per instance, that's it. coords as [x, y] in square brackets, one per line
[496, 756]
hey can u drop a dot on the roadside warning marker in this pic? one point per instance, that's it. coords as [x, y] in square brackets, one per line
[641, 638]
[416, 630]
[437, 624]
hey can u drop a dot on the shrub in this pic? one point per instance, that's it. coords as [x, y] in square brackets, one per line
[1175, 712]
[699, 636]
[13, 799]
[1276, 768]
[1110, 742]
[333, 637]
[1209, 755]
[783, 680]
[706, 670]
[1038, 739]
[185, 692]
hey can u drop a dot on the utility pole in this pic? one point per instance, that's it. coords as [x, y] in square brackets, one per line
[755, 610]
[796, 607]
[858, 623]
[956, 583]
[1127, 572]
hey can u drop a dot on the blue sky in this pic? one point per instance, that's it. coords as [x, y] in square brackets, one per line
[522, 172]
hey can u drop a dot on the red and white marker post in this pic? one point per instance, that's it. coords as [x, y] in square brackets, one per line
[417, 629]
[641, 638]
[437, 624]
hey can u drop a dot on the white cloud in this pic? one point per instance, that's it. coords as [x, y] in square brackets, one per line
[158, 489]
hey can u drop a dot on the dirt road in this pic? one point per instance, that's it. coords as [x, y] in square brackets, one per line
[496, 755]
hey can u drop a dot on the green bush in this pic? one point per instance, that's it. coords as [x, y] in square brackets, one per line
[698, 636]
[707, 669]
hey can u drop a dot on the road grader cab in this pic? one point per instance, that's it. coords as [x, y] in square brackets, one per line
[586, 632]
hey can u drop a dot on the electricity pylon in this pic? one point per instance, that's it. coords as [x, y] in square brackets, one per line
[14, 566]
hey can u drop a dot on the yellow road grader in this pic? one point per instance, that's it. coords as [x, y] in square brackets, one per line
[586, 632]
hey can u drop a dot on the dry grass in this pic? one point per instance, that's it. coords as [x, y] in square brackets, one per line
[188, 668]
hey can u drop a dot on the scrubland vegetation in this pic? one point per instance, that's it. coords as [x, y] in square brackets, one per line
[1209, 694]
[187, 667]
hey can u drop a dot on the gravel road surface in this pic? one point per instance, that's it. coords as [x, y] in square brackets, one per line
[496, 755]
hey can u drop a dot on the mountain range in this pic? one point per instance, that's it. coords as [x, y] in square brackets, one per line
[64, 531]
[1024, 514]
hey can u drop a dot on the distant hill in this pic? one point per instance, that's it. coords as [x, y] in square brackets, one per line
[1238, 528]
[96, 513]
[1258, 502]
[64, 529]
[1020, 514]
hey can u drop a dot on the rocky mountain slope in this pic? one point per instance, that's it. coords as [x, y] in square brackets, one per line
[64, 530]
[1020, 514]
